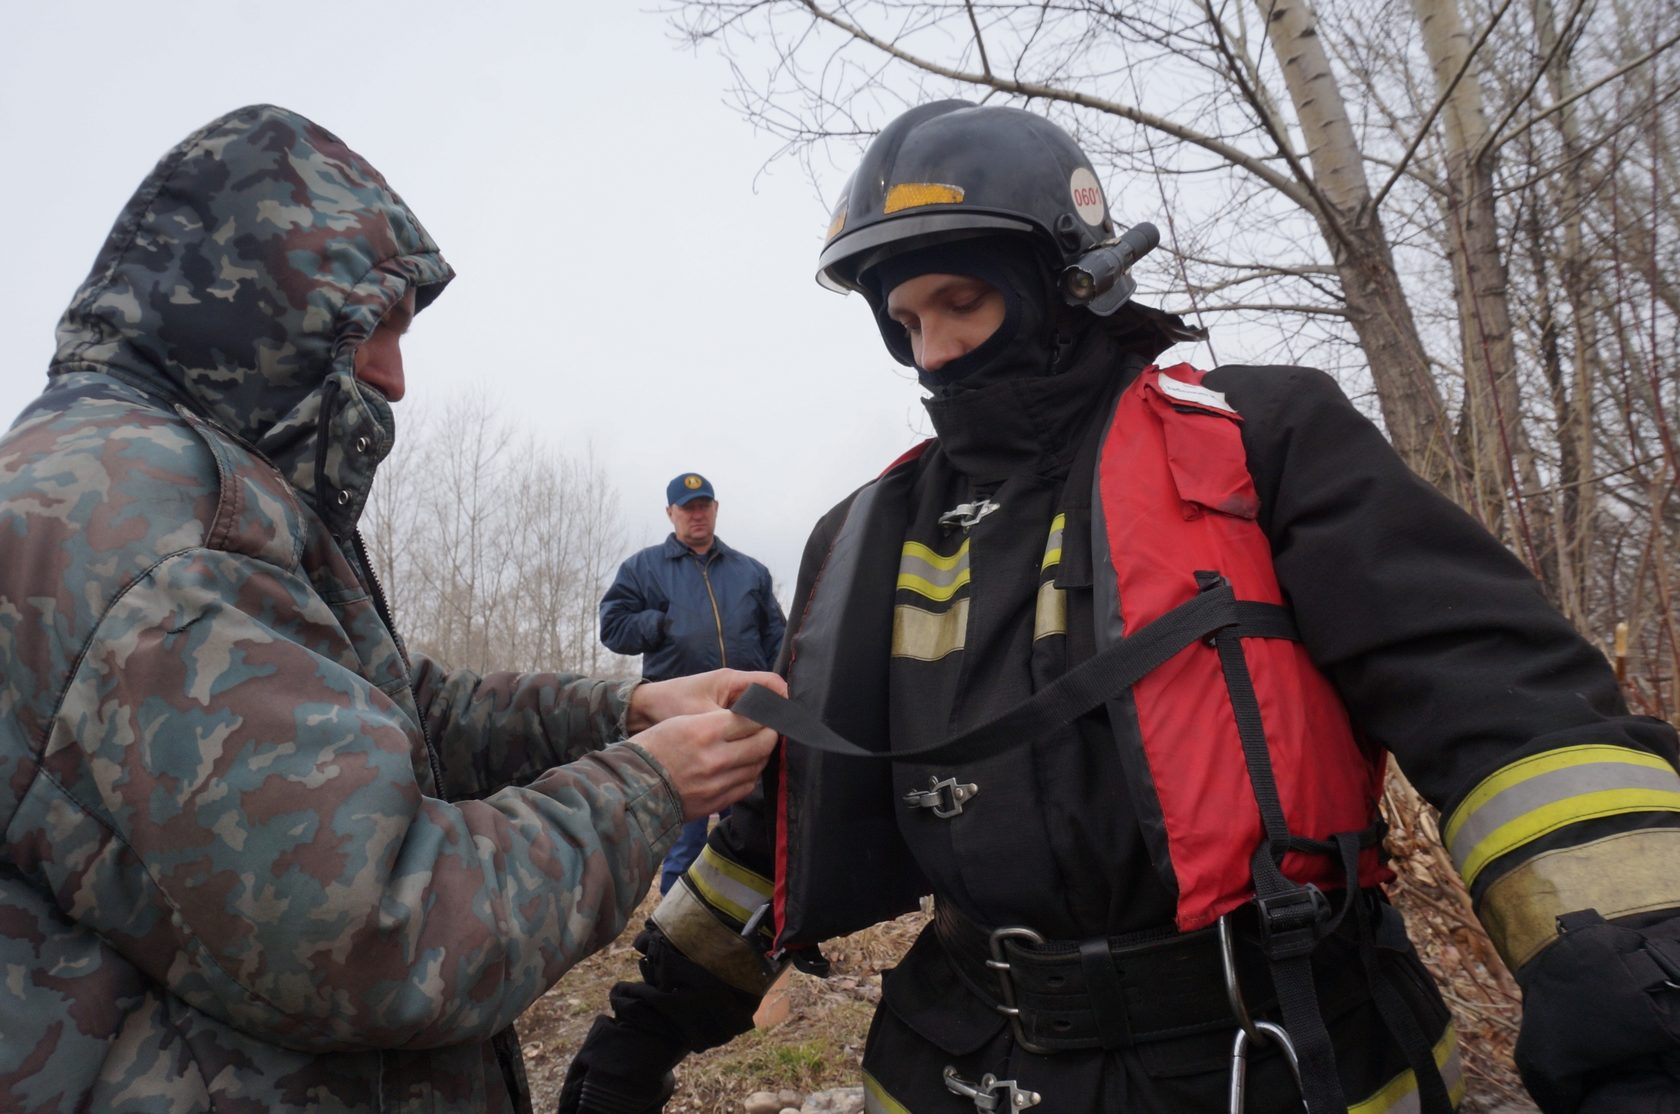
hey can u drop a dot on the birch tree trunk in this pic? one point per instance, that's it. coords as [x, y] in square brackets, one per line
[1573, 521]
[1377, 306]
[1493, 444]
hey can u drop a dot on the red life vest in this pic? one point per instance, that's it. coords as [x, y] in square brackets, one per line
[1175, 498]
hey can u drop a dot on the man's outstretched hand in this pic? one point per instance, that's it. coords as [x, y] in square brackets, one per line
[656, 701]
[712, 755]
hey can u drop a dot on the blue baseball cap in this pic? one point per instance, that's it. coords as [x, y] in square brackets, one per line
[688, 487]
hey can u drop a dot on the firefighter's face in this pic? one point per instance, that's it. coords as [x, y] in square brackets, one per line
[694, 522]
[945, 316]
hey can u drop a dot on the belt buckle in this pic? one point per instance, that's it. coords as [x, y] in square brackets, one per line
[1292, 922]
[1006, 982]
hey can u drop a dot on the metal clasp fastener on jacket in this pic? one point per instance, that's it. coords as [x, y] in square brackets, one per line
[946, 798]
[985, 1093]
[1249, 1031]
[967, 514]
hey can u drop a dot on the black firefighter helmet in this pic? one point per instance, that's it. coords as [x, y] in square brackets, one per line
[953, 170]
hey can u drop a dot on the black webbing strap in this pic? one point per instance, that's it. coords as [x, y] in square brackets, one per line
[1402, 1024]
[1293, 917]
[1097, 679]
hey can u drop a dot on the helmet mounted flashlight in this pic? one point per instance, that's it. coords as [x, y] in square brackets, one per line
[1098, 279]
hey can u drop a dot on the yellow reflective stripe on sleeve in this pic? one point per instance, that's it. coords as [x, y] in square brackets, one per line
[1544, 792]
[1053, 547]
[728, 887]
[1619, 875]
[1400, 1094]
[1050, 616]
[929, 574]
[877, 1101]
[929, 635]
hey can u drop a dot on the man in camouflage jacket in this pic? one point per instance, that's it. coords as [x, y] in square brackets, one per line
[255, 858]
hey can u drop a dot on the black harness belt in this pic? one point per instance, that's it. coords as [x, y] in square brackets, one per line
[1120, 992]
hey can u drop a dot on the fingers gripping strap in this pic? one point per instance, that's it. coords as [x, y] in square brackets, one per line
[1098, 679]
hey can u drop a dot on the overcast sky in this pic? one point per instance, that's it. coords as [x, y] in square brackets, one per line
[632, 276]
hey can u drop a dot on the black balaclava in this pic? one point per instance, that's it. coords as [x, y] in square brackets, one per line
[1024, 345]
[1016, 402]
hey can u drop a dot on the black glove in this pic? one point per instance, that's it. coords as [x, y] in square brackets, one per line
[624, 1066]
[1601, 1019]
[619, 1070]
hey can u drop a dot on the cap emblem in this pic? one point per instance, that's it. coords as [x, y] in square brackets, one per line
[692, 482]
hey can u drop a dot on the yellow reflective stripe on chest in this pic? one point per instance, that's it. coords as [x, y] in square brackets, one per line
[1050, 612]
[1053, 544]
[929, 635]
[1544, 792]
[930, 574]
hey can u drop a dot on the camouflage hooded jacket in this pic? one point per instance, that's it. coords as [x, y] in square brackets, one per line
[254, 858]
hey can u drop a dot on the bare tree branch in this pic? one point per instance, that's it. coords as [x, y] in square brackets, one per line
[1032, 89]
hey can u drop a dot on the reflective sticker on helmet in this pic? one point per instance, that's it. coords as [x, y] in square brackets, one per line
[911, 195]
[1087, 196]
[837, 222]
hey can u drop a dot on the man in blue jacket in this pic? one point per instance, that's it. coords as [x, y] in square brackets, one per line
[688, 605]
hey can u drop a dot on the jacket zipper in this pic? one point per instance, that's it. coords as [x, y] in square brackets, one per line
[383, 609]
[717, 619]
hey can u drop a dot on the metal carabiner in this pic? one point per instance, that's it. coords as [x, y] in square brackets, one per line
[1249, 1031]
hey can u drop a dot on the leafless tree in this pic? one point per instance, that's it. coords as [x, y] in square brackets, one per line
[494, 548]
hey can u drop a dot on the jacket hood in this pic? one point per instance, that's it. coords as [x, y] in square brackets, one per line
[239, 281]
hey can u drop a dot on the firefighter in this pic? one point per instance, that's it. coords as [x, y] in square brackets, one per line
[1111, 668]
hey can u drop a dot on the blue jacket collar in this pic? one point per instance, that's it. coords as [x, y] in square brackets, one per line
[675, 549]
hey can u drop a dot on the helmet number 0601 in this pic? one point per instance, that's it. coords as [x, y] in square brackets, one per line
[1087, 196]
